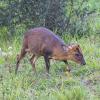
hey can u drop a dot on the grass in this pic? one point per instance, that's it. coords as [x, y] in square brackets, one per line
[83, 83]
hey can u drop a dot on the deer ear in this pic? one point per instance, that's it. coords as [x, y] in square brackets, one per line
[77, 46]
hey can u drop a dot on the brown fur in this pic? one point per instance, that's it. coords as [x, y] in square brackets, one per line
[43, 42]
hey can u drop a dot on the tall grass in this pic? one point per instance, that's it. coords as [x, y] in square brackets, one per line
[81, 84]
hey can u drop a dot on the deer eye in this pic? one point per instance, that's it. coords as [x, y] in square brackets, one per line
[78, 55]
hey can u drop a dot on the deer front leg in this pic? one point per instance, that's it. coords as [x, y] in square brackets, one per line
[47, 62]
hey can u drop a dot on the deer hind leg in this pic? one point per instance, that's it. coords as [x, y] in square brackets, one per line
[32, 61]
[19, 57]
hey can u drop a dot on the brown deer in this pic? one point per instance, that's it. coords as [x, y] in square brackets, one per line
[43, 42]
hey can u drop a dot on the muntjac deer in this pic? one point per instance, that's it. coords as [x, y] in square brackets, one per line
[43, 42]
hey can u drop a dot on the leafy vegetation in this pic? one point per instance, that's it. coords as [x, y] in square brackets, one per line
[70, 16]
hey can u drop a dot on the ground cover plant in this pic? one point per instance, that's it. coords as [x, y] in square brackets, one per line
[83, 83]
